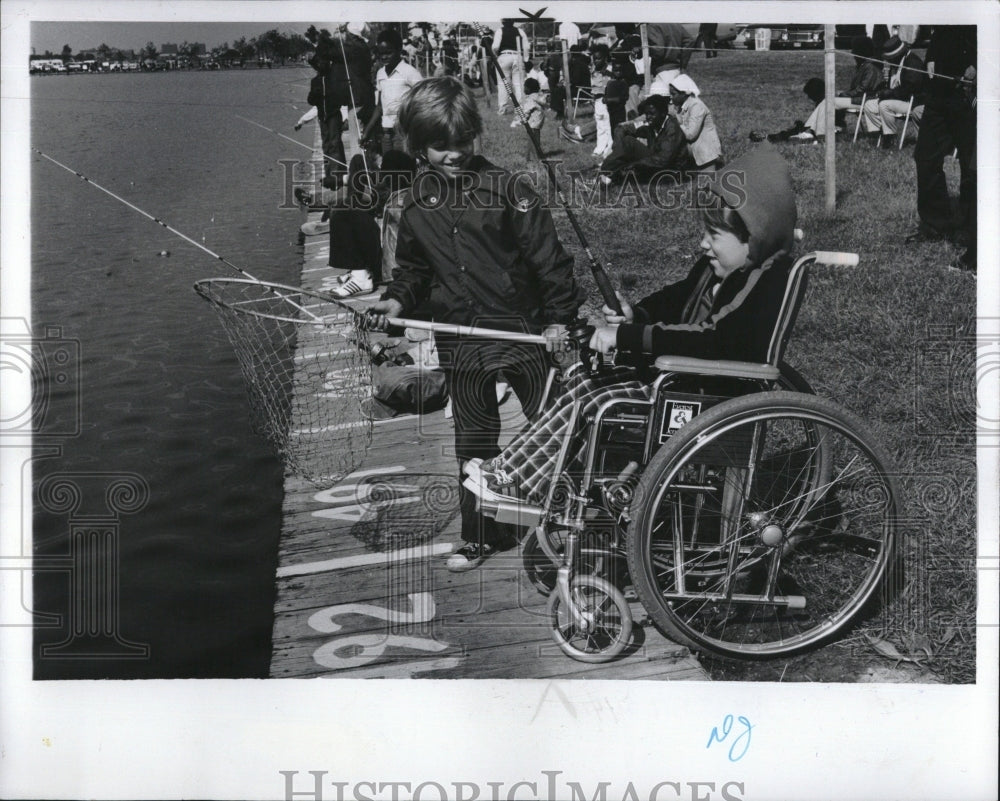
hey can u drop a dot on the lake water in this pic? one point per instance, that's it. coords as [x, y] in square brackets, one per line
[160, 393]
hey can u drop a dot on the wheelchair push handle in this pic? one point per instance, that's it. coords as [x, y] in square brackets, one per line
[836, 259]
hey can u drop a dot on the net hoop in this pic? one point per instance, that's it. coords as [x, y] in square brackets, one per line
[306, 366]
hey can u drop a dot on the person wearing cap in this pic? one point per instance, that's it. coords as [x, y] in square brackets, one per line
[725, 308]
[906, 80]
[664, 149]
[696, 123]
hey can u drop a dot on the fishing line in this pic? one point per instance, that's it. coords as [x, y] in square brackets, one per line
[350, 91]
[457, 330]
[290, 139]
[172, 230]
[596, 269]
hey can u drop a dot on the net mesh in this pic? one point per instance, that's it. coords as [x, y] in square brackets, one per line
[307, 370]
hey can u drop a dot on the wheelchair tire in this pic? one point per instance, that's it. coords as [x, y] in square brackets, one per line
[753, 557]
[612, 621]
[538, 567]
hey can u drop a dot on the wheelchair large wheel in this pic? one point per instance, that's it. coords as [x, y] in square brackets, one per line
[608, 628]
[738, 547]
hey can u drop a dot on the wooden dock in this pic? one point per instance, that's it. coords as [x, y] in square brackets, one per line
[362, 588]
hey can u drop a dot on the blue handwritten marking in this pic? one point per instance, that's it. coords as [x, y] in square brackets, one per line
[735, 753]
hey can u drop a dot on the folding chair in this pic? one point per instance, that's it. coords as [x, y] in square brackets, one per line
[906, 121]
[853, 109]
[583, 94]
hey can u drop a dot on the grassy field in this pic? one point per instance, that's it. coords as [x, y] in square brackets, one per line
[893, 340]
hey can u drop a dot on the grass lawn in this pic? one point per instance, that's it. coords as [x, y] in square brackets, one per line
[892, 339]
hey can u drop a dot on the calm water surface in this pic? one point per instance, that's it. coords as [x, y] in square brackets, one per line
[161, 395]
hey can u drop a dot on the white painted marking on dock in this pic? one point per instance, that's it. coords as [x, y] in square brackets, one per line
[395, 670]
[363, 559]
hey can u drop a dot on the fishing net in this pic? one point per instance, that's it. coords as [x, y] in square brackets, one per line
[307, 370]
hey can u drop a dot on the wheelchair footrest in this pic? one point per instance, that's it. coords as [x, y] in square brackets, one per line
[503, 508]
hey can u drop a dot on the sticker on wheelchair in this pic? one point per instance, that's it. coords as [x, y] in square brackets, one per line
[676, 415]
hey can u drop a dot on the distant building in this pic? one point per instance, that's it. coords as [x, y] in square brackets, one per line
[168, 50]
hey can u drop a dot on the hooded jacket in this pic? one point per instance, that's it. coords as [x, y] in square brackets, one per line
[704, 317]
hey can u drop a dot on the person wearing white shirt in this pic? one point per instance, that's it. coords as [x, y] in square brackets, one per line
[569, 31]
[393, 80]
[510, 44]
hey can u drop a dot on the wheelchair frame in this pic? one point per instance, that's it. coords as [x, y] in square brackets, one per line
[775, 574]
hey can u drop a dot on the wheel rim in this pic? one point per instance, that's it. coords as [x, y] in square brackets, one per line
[773, 529]
[608, 616]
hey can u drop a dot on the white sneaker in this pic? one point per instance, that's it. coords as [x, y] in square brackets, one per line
[359, 283]
[316, 228]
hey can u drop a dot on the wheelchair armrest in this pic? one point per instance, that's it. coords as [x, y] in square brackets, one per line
[719, 367]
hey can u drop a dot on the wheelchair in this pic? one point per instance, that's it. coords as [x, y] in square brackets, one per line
[752, 524]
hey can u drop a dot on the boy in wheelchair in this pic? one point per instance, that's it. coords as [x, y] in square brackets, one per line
[727, 307]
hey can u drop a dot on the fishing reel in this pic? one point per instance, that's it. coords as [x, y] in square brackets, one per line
[580, 332]
[381, 353]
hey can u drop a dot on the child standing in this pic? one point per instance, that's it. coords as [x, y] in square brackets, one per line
[476, 246]
[726, 308]
[393, 80]
[533, 107]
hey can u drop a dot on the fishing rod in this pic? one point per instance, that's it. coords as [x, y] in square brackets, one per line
[598, 271]
[169, 227]
[290, 139]
[350, 91]
[281, 290]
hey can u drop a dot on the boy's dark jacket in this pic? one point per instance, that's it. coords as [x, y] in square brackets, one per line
[497, 261]
[737, 322]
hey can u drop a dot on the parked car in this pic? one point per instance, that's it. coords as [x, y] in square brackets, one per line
[793, 37]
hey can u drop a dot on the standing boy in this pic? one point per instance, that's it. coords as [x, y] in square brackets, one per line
[477, 247]
[394, 79]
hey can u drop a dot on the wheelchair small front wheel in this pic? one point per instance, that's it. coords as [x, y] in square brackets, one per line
[742, 547]
[606, 627]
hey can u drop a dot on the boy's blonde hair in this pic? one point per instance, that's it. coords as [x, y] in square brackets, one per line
[438, 111]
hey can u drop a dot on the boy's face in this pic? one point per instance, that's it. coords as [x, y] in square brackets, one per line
[655, 115]
[450, 158]
[725, 252]
[600, 61]
[388, 55]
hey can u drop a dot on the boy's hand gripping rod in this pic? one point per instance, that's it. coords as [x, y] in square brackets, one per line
[600, 275]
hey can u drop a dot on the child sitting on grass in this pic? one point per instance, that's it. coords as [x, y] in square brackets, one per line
[696, 123]
[726, 308]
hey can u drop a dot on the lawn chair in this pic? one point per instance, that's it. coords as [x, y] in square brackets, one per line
[906, 121]
[583, 95]
[857, 109]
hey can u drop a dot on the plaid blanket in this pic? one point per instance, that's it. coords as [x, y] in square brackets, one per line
[530, 458]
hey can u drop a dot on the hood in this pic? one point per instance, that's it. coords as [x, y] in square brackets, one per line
[759, 186]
